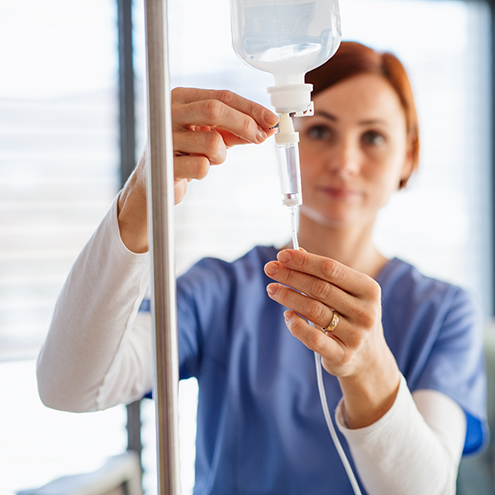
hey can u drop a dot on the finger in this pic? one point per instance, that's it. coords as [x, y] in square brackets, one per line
[228, 138]
[215, 113]
[262, 116]
[328, 345]
[315, 311]
[209, 144]
[180, 188]
[349, 280]
[336, 354]
[231, 139]
[190, 167]
[314, 288]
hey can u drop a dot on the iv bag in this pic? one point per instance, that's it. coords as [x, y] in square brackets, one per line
[286, 38]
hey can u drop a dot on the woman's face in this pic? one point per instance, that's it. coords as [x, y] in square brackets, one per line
[354, 151]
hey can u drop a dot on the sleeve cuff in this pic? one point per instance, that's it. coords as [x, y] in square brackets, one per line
[360, 434]
[112, 224]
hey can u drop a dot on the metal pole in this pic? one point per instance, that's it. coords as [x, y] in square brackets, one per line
[134, 428]
[126, 91]
[161, 229]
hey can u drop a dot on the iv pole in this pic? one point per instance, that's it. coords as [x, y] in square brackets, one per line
[159, 155]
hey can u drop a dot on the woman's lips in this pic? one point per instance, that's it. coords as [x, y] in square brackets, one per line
[339, 192]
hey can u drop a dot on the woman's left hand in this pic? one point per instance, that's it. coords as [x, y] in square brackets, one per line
[313, 287]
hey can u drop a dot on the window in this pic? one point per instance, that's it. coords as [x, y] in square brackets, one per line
[58, 175]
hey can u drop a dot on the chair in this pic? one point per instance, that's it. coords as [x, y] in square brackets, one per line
[121, 475]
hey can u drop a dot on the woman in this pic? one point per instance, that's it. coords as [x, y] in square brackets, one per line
[402, 351]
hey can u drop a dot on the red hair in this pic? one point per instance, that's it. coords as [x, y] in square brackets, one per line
[353, 59]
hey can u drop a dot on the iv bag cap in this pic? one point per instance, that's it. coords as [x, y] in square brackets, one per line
[291, 97]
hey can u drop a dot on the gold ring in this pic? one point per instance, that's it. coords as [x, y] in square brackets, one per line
[333, 323]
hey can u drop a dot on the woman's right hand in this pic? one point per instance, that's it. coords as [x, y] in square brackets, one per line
[205, 123]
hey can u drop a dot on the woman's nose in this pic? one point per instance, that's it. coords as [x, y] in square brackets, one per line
[344, 159]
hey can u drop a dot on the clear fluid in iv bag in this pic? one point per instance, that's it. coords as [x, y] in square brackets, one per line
[287, 58]
[285, 36]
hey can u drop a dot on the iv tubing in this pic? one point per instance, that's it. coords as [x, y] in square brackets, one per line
[295, 242]
[321, 387]
[331, 428]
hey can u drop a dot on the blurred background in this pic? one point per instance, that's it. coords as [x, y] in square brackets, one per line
[73, 122]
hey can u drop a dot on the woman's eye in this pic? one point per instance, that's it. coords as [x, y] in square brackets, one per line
[373, 138]
[319, 132]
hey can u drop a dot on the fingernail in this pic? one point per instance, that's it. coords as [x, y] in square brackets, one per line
[302, 249]
[270, 118]
[260, 135]
[284, 256]
[287, 316]
[272, 289]
[271, 268]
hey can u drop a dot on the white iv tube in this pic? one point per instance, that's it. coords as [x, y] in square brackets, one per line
[331, 428]
[293, 225]
[321, 386]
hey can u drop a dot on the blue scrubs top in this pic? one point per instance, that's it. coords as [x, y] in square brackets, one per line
[260, 425]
